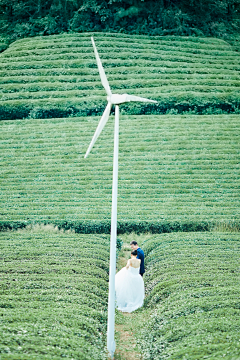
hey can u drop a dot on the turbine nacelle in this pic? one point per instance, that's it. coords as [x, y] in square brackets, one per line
[117, 99]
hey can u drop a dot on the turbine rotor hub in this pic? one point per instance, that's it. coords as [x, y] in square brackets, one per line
[117, 99]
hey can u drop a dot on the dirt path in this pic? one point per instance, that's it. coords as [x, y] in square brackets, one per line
[126, 348]
[127, 324]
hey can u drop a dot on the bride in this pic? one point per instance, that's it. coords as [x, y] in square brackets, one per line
[129, 285]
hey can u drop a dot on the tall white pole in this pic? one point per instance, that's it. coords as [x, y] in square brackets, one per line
[113, 242]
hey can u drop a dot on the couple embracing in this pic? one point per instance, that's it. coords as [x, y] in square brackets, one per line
[129, 283]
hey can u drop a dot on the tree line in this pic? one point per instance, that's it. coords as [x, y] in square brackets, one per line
[21, 18]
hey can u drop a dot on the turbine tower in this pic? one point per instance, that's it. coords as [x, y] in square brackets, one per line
[113, 99]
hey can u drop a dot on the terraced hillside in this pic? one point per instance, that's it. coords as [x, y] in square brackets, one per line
[192, 286]
[179, 171]
[56, 76]
[45, 310]
[171, 168]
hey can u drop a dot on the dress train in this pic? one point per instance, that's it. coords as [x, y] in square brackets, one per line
[129, 288]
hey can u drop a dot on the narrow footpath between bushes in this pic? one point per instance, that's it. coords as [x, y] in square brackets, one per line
[128, 325]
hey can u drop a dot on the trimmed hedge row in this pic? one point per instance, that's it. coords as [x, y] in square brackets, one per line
[223, 92]
[127, 59]
[197, 66]
[61, 108]
[104, 227]
[14, 85]
[76, 38]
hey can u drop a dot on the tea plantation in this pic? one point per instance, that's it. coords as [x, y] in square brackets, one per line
[192, 285]
[57, 76]
[54, 289]
[171, 168]
[178, 174]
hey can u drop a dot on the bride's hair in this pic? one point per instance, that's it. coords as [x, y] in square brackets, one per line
[134, 253]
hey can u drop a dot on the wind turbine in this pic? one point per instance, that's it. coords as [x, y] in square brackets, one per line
[113, 99]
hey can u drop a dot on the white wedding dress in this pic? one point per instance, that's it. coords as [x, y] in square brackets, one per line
[129, 288]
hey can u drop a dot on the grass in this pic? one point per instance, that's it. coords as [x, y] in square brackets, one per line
[46, 312]
[171, 168]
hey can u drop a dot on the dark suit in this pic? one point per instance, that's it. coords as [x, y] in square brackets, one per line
[140, 255]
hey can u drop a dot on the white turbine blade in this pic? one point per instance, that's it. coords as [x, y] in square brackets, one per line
[138, 98]
[101, 125]
[103, 77]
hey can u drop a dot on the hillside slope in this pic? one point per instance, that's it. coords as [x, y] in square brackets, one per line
[57, 76]
[171, 168]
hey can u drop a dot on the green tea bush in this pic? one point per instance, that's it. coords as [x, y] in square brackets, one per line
[176, 173]
[234, 41]
[104, 227]
[61, 78]
[192, 285]
[54, 294]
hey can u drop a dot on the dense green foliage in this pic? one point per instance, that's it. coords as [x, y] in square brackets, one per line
[192, 283]
[57, 76]
[210, 17]
[180, 169]
[46, 312]
[104, 226]
[3, 46]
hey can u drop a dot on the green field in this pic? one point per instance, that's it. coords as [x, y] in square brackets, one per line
[53, 300]
[57, 76]
[178, 171]
[171, 168]
[192, 289]
[54, 295]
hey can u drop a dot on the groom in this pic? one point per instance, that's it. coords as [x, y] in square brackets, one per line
[140, 255]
